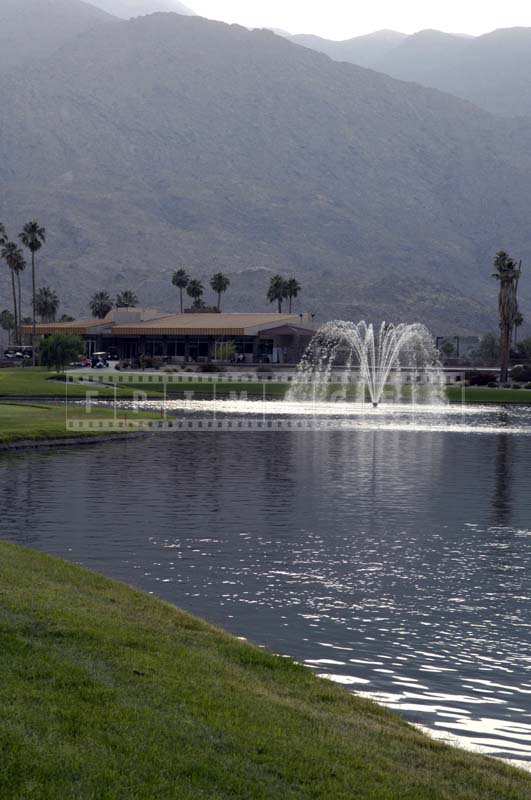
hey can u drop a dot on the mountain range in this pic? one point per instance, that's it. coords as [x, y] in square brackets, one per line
[493, 71]
[171, 140]
[127, 9]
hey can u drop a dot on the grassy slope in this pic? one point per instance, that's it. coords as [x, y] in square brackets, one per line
[39, 422]
[108, 693]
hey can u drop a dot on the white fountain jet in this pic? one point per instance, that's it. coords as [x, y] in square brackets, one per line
[380, 364]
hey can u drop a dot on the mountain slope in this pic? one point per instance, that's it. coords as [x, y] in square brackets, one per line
[172, 140]
[127, 9]
[493, 71]
[33, 29]
[362, 50]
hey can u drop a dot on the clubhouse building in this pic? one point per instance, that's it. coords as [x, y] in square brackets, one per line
[131, 333]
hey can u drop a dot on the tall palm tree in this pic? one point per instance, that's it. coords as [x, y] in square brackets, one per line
[19, 268]
[3, 234]
[195, 290]
[100, 304]
[126, 299]
[507, 272]
[277, 291]
[46, 304]
[12, 255]
[33, 236]
[292, 288]
[180, 279]
[518, 321]
[219, 283]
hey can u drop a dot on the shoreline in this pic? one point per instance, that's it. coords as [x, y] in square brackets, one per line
[70, 441]
[239, 719]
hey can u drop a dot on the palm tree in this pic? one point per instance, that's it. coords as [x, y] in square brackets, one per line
[219, 283]
[292, 288]
[518, 321]
[33, 236]
[7, 322]
[3, 235]
[127, 299]
[195, 290]
[19, 267]
[181, 280]
[12, 255]
[507, 272]
[100, 304]
[46, 304]
[277, 291]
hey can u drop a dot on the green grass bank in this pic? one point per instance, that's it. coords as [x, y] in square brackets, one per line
[40, 423]
[109, 694]
[40, 383]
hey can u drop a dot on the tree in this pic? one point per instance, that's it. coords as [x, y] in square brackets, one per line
[100, 304]
[291, 288]
[12, 255]
[7, 322]
[219, 283]
[60, 349]
[448, 349]
[277, 291]
[46, 304]
[507, 272]
[195, 290]
[66, 318]
[33, 236]
[127, 299]
[518, 322]
[20, 266]
[180, 279]
[3, 235]
[488, 351]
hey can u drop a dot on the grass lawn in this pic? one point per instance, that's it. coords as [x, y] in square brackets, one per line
[107, 693]
[40, 383]
[40, 422]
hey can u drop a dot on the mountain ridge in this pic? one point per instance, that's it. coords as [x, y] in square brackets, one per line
[171, 140]
[491, 70]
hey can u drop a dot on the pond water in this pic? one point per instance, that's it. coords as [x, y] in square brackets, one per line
[388, 555]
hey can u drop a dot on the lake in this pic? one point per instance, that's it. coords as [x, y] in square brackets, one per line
[392, 557]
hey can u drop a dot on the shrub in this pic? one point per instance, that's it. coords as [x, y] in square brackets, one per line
[60, 349]
[521, 373]
[476, 378]
[209, 368]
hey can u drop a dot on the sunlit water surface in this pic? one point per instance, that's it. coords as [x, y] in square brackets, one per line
[387, 551]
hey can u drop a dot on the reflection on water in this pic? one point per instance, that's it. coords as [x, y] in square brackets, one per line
[394, 562]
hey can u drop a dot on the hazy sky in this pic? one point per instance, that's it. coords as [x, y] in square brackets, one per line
[344, 18]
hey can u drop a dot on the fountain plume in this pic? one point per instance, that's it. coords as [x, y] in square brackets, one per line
[378, 363]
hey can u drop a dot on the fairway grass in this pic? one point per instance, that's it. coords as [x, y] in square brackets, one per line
[33, 423]
[109, 694]
[40, 383]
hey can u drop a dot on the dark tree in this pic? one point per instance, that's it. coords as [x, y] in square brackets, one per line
[277, 291]
[180, 279]
[33, 236]
[219, 283]
[100, 304]
[507, 272]
[127, 299]
[46, 304]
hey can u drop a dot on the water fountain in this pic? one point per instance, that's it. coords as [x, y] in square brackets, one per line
[345, 357]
